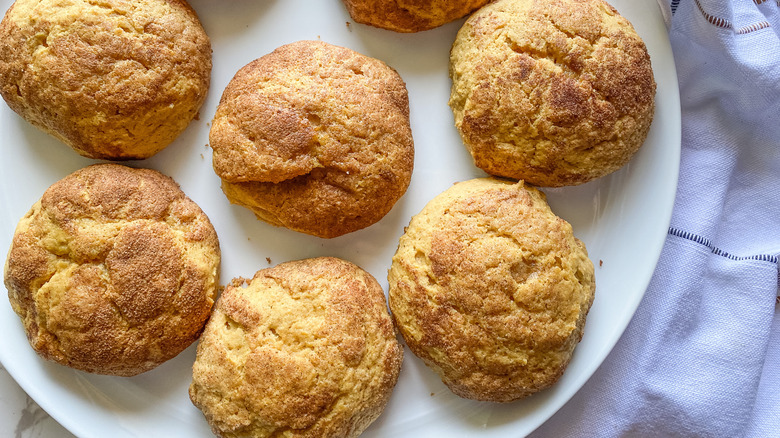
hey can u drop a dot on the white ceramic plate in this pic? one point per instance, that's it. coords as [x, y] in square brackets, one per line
[622, 218]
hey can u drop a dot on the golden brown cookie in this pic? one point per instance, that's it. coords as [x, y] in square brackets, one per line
[315, 138]
[303, 349]
[553, 92]
[114, 270]
[115, 80]
[491, 289]
[410, 15]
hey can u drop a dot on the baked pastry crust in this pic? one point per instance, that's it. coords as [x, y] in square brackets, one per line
[554, 92]
[114, 80]
[304, 349]
[410, 15]
[315, 138]
[491, 289]
[114, 271]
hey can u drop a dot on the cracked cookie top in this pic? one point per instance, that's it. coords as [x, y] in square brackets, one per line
[410, 15]
[491, 289]
[113, 271]
[113, 79]
[554, 92]
[315, 138]
[304, 349]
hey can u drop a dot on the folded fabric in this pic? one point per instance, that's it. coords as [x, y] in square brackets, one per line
[701, 357]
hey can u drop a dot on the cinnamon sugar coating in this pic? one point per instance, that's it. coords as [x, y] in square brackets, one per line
[114, 271]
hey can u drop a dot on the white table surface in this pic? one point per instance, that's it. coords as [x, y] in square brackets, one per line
[21, 417]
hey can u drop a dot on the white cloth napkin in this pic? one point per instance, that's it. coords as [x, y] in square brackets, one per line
[701, 358]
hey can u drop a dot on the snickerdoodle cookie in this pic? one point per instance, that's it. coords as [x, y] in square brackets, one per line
[113, 271]
[315, 138]
[554, 92]
[410, 15]
[114, 79]
[304, 349]
[491, 289]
